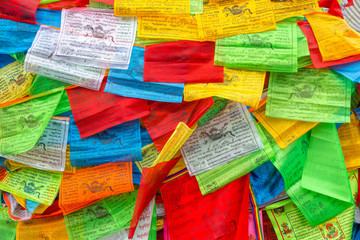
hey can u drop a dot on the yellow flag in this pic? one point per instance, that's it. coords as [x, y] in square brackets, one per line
[151, 7]
[284, 131]
[42, 228]
[228, 18]
[14, 82]
[149, 155]
[180, 165]
[292, 8]
[173, 145]
[174, 27]
[349, 135]
[20, 200]
[336, 39]
[242, 86]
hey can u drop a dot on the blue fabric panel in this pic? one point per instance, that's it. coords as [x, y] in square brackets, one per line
[349, 70]
[48, 17]
[129, 83]
[16, 36]
[121, 143]
[266, 182]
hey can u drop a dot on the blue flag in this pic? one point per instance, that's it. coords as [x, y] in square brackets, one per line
[121, 143]
[16, 36]
[129, 83]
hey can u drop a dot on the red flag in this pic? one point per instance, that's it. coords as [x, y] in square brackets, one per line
[182, 62]
[52, 211]
[65, 4]
[219, 215]
[151, 180]
[333, 6]
[96, 111]
[19, 10]
[350, 3]
[315, 51]
[164, 118]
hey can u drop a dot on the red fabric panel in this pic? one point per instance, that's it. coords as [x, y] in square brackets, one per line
[334, 7]
[110, 2]
[65, 4]
[96, 111]
[243, 223]
[51, 211]
[19, 10]
[164, 118]
[151, 180]
[182, 62]
[315, 54]
[219, 215]
[350, 3]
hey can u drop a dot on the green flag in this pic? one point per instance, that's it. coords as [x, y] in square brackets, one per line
[101, 218]
[325, 170]
[22, 124]
[312, 95]
[274, 50]
[7, 225]
[33, 184]
[316, 207]
[44, 84]
[219, 103]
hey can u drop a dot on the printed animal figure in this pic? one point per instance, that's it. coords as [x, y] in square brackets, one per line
[138, 68]
[96, 187]
[96, 213]
[44, 237]
[20, 80]
[29, 121]
[9, 221]
[106, 138]
[227, 81]
[98, 32]
[106, 101]
[31, 189]
[279, 211]
[256, 41]
[304, 92]
[342, 30]
[236, 10]
[99, 213]
[42, 147]
[215, 136]
[230, 80]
